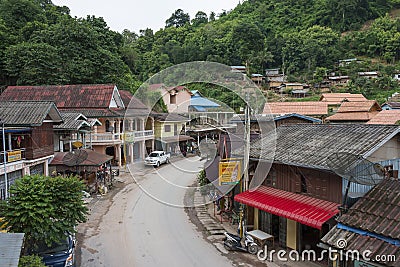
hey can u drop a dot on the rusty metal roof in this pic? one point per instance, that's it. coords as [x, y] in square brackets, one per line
[65, 96]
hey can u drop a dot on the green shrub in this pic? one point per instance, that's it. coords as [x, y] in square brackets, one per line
[31, 261]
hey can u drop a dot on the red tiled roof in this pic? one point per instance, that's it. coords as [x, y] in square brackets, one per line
[362, 244]
[378, 211]
[352, 116]
[131, 101]
[303, 108]
[386, 117]
[303, 209]
[65, 96]
[337, 98]
[359, 106]
[356, 111]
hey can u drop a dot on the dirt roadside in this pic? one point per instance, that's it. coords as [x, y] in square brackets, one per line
[98, 207]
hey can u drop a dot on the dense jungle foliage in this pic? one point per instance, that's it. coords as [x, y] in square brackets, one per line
[41, 43]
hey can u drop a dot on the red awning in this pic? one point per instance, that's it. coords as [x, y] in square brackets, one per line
[303, 209]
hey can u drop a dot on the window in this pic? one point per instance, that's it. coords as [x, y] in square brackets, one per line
[167, 128]
[172, 99]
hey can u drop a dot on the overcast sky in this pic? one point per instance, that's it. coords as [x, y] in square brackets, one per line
[135, 15]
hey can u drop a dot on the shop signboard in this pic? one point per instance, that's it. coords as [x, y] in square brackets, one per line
[229, 171]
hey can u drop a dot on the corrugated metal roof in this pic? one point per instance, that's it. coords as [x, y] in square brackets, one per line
[72, 121]
[99, 112]
[303, 209]
[27, 113]
[10, 248]
[65, 96]
[199, 101]
[309, 145]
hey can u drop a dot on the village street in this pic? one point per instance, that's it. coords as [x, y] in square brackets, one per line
[138, 230]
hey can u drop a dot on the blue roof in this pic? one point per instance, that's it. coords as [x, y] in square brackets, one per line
[199, 108]
[199, 101]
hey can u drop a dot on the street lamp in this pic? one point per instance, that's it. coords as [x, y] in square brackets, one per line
[4, 157]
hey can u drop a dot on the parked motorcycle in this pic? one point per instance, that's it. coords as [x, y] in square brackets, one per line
[233, 242]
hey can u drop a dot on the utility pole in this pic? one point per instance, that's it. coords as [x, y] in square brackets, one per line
[246, 144]
[4, 158]
[246, 159]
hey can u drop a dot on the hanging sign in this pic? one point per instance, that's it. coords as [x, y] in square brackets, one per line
[229, 172]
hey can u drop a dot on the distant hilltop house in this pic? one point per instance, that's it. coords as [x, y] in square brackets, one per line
[344, 62]
[274, 79]
[258, 79]
[339, 80]
[241, 69]
[391, 105]
[396, 76]
[394, 98]
[369, 74]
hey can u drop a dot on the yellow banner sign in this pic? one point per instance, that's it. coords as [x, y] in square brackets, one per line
[14, 156]
[229, 172]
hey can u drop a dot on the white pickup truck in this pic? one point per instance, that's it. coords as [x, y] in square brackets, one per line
[156, 158]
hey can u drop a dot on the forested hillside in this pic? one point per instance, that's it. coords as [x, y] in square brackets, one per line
[40, 43]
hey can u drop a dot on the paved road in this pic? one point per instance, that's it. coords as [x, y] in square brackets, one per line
[142, 230]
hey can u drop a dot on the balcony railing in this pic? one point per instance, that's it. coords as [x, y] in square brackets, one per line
[129, 136]
[138, 136]
[106, 138]
[13, 155]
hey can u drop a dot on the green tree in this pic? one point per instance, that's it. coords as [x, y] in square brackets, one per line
[199, 19]
[33, 64]
[43, 208]
[178, 19]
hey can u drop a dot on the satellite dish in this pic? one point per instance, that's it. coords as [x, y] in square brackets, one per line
[355, 169]
[75, 157]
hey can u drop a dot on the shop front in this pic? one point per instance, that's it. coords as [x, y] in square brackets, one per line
[296, 221]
